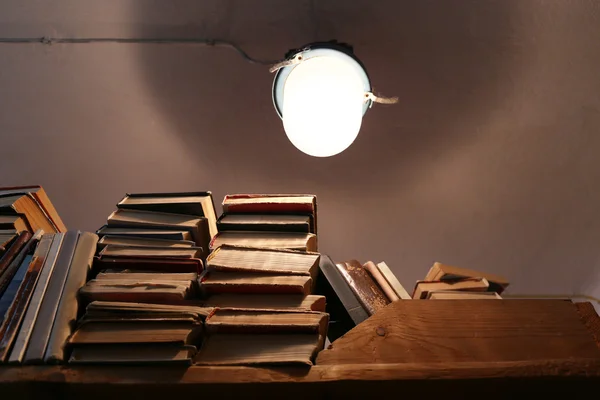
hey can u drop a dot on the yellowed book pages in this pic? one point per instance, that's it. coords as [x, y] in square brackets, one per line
[273, 240]
[248, 349]
[267, 301]
[450, 295]
[248, 321]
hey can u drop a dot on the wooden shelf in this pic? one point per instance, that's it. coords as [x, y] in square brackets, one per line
[504, 348]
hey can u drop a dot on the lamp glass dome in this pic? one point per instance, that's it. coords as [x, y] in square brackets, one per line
[322, 101]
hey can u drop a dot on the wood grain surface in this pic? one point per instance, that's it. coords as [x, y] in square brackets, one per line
[422, 331]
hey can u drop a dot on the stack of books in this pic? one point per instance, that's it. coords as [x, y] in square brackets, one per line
[180, 217]
[142, 304]
[283, 221]
[265, 309]
[112, 332]
[448, 282]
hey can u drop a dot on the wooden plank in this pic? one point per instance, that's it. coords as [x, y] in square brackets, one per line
[467, 379]
[427, 331]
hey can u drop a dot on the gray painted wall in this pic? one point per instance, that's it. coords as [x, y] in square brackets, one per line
[489, 161]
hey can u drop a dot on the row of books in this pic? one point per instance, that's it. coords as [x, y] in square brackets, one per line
[167, 281]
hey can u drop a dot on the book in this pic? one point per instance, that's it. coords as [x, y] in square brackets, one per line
[363, 286]
[452, 294]
[12, 259]
[422, 288]
[32, 212]
[304, 204]
[342, 305]
[18, 352]
[41, 197]
[286, 302]
[443, 272]
[142, 241]
[259, 349]
[263, 260]
[273, 240]
[393, 281]
[126, 332]
[133, 353]
[15, 221]
[137, 333]
[6, 241]
[191, 203]
[197, 226]
[265, 222]
[254, 321]
[270, 203]
[15, 300]
[160, 288]
[251, 283]
[123, 310]
[148, 264]
[144, 233]
[381, 281]
[40, 334]
[7, 267]
[66, 313]
[126, 251]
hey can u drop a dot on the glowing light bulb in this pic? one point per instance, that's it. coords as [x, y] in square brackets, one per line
[323, 105]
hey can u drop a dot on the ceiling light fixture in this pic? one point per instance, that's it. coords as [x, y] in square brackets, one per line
[321, 93]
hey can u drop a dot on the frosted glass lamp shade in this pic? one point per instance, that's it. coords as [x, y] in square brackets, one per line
[322, 101]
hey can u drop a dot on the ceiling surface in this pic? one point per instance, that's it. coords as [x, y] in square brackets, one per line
[490, 160]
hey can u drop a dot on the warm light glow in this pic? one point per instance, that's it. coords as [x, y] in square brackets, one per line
[323, 102]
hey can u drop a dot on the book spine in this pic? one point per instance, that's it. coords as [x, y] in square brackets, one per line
[66, 314]
[380, 280]
[16, 312]
[18, 352]
[12, 252]
[43, 326]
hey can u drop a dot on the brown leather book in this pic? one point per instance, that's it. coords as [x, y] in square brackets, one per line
[363, 286]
